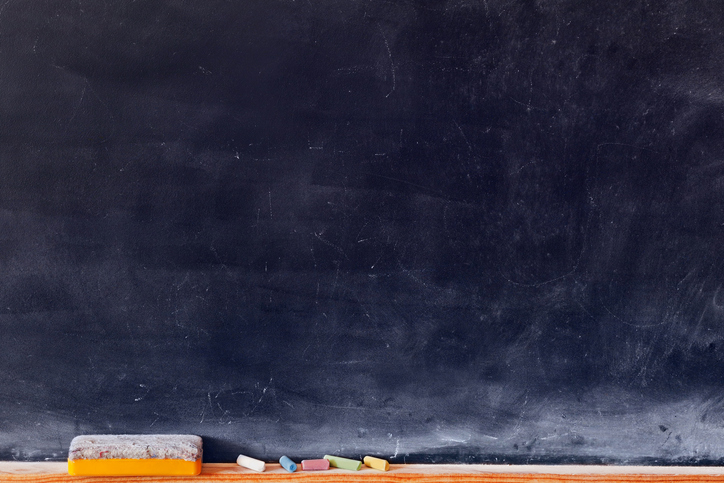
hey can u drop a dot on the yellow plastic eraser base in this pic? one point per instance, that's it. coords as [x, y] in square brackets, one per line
[134, 467]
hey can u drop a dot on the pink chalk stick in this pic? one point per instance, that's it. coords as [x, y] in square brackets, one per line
[311, 465]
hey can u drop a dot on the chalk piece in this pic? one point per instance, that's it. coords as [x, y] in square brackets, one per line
[313, 465]
[288, 464]
[343, 463]
[251, 463]
[377, 463]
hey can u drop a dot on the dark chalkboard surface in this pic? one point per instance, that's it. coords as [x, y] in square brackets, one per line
[452, 231]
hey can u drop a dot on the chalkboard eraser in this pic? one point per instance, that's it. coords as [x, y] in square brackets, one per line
[315, 465]
[343, 463]
[135, 455]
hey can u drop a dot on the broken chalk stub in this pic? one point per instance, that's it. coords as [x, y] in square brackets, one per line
[314, 465]
[288, 464]
[251, 463]
[343, 463]
[376, 463]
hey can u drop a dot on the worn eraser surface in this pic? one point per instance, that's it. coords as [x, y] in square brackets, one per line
[130, 446]
[135, 455]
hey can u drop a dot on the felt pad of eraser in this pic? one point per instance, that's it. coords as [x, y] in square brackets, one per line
[135, 455]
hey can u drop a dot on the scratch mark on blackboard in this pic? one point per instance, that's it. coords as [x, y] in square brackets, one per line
[336, 278]
[328, 243]
[538, 284]
[147, 391]
[528, 106]
[392, 64]
[263, 393]
[409, 274]
[349, 407]
[376, 262]
[183, 282]
[598, 146]
[698, 324]
[687, 276]
[456, 438]
[2, 9]
[585, 310]
[470, 146]
[355, 69]
[666, 440]
[77, 107]
[399, 180]
[554, 436]
[714, 299]
[309, 143]
[629, 323]
[271, 214]
[521, 168]
[360, 233]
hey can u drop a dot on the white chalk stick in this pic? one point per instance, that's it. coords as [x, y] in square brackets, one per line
[251, 463]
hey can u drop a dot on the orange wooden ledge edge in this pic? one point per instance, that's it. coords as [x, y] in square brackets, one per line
[230, 472]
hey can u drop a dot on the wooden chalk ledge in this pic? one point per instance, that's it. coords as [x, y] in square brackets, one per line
[229, 472]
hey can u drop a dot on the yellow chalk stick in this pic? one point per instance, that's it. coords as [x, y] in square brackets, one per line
[377, 463]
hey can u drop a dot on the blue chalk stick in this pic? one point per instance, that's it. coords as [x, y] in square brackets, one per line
[288, 464]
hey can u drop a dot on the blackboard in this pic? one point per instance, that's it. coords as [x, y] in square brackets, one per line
[442, 231]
